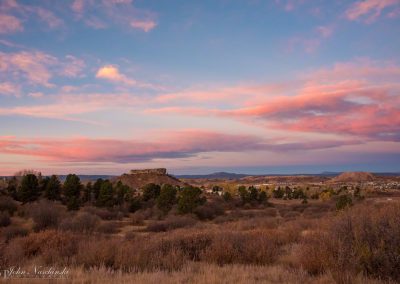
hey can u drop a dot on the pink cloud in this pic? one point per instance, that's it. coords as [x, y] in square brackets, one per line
[73, 66]
[179, 144]
[370, 10]
[48, 17]
[7, 88]
[10, 24]
[122, 12]
[77, 104]
[325, 31]
[37, 68]
[359, 98]
[31, 65]
[78, 6]
[144, 25]
[112, 73]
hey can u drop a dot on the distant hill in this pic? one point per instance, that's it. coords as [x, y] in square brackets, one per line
[354, 177]
[217, 175]
[139, 178]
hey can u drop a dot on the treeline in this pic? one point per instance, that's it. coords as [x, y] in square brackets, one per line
[103, 193]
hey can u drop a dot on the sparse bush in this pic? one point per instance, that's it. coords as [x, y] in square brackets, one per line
[343, 202]
[109, 227]
[12, 231]
[105, 214]
[53, 247]
[278, 193]
[361, 240]
[253, 247]
[171, 223]
[150, 191]
[227, 196]
[4, 219]
[45, 214]
[8, 204]
[209, 211]
[82, 223]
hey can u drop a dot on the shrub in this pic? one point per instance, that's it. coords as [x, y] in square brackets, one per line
[167, 198]
[254, 247]
[105, 214]
[150, 191]
[209, 211]
[45, 214]
[82, 222]
[343, 202]
[364, 239]
[278, 192]
[189, 199]
[171, 223]
[108, 228]
[8, 204]
[227, 196]
[53, 247]
[13, 231]
[4, 219]
[135, 204]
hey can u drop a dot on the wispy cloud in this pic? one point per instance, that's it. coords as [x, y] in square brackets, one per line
[370, 10]
[123, 12]
[359, 98]
[10, 24]
[37, 68]
[145, 25]
[180, 144]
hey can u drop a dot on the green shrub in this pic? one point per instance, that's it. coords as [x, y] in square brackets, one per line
[189, 198]
[167, 198]
[343, 202]
[150, 191]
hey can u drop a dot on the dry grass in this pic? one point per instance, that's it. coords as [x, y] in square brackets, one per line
[271, 245]
[200, 273]
[365, 239]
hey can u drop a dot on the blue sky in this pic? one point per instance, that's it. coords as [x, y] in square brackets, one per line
[196, 86]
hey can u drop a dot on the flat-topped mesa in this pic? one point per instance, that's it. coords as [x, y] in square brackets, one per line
[159, 171]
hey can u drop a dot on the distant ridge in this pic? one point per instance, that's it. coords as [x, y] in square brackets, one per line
[217, 175]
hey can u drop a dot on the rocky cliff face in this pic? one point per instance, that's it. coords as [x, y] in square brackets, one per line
[159, 171]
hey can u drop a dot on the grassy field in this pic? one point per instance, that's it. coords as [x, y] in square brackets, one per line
[282, 242]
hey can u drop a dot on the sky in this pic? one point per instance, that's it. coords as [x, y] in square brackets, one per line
[247, 86]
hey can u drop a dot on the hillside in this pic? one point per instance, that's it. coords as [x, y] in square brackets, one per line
[139, 178]
[354, 177]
